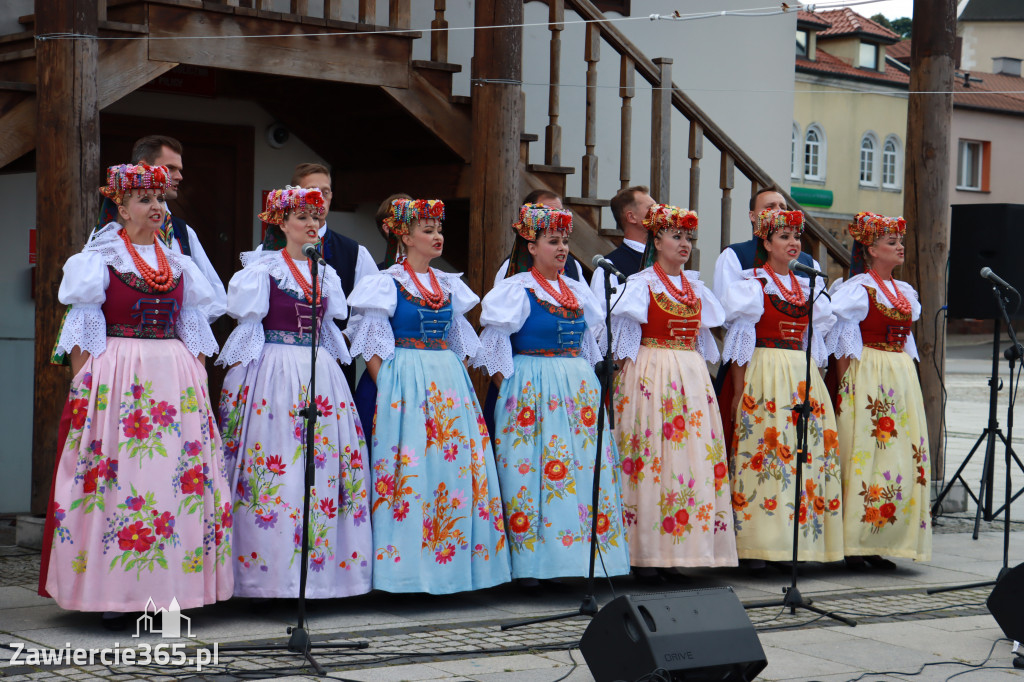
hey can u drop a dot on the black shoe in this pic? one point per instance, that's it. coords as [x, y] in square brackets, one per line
[114, 622]
[671, 575]
[879, 564]
[647, 576]
[754, 566]
[856, 563]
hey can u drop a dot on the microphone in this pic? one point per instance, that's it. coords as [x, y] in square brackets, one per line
[795, 264]
[987, 273]
[310, 252]
[600, 261]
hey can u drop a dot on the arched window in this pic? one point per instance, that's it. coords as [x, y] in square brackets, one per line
[815, 153]
[869, 160]
[891, 163]
[794, 152]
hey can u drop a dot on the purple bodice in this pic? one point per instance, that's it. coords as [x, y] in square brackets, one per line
[133, 310]
[290, 316]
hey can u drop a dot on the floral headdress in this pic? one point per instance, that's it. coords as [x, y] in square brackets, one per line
[866, 228]
[769, 221]
[534, 220]
[665, 217]
[404, 211]
[125, 177]
[283, 201]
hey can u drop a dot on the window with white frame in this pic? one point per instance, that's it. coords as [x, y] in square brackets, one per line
[869, 56]
[869, 160]
[891, 163]
[970, 165]
[815, 153]
[794, 152]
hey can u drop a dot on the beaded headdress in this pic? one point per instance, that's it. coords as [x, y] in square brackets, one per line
[866, 228]
[404, 211]
[125, 177]
[769, 221]
[534, 220]
[665, 217]
[283, 201]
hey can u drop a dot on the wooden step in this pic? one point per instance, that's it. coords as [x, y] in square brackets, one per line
[439, 74]
[524, 147]
[588, 208]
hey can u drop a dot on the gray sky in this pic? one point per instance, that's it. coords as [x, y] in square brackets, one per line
[892, 9]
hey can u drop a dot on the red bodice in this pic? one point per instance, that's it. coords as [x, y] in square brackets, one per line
[670, 324]
[782, 325]
[133, 310]
[884, 328]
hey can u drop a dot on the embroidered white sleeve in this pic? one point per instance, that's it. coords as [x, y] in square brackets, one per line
[372, 335]
[84, 287]
[194, 331]
[910, 347]
[844, 340]
[707, 346]
[495, 354]
[248, 300]
[216, 307]
[850, 306]
[84, 327]
[244, 344]
[626, 336]
[740, 341]
[193, 325]
[590, 349]
[462, 340]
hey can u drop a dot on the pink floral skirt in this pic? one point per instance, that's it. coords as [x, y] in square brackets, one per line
[141, 508]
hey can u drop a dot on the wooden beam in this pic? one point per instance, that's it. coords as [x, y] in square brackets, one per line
[451, 124]
[18, 130]
[67, 160]
[926, 194]
[494, 196]
[363, 59]
[124, 67]
[661, 131]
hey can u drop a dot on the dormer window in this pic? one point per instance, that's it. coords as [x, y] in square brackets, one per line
[801, 43]
[868, 56]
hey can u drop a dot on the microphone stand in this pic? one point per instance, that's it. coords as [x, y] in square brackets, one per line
[299, 642]
[793, 600]
[1013, 353]
[605, 371]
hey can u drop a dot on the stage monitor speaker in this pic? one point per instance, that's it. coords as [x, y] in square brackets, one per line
[983, 235]
[1006, 603]
[695, 635]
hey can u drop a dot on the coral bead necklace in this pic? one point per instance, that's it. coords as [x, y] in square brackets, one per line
[685, 294]
[564, 296]
[162, 278]
[433, 298]
[307, 288]
[897, 301]
[794, 294]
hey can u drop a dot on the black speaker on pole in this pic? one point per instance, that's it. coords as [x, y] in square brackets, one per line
[1006, 603]
[983, 235]
[695, 635]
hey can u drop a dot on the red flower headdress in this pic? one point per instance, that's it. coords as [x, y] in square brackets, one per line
[282, 201]
[404, 211]
[125, 177]
[662, 216]
[867, 227]
[769, 221]
[536, 219]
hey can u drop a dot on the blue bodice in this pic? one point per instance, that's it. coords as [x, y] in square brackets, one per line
[417, 325]
[550, 330]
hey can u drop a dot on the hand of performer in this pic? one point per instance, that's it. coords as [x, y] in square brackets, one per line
[623, 364]
[78, 359]
[373, 366]
[201, 358]
[498, 379]
[842, 364]
[737, 374]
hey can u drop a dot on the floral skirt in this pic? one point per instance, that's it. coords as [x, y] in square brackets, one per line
[883, 441]
[675, 488]
[763, 466]
[545, 447]
[436, 512]
[141, 507]
[265, 443]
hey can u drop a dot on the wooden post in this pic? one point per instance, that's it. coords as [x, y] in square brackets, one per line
[726, 182]
[439, 33]
[627, 90]
[661, 131]
[300, 7]
[399, 14]
[926, 198]
[495, 189]
[695, 150]
[67, 175]
[553, 131]
[588, 171]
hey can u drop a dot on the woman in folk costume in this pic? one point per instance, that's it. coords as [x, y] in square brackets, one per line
[265, 389]
[539, 344]
[140, 506]
[675, 486]
[436, 512]
[883, 435]
[766, 314]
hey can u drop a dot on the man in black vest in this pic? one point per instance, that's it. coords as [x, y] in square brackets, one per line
[545, 197]
[629, 208]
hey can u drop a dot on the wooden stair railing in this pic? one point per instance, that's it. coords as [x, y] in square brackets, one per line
[666, 96]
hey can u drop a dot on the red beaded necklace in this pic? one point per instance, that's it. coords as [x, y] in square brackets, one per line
[433, 298]
[307, 288]
[794, 294]
[899, 301]
[564, 296]
[683, 295]
[161, 279]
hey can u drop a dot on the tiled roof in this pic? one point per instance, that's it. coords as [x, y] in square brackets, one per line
[900, 51]
[993, 10]
[995, 92]
[846, 22]
[811, 19]
[830, 65]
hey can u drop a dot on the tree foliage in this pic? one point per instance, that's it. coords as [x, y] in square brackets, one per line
[900, 27]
